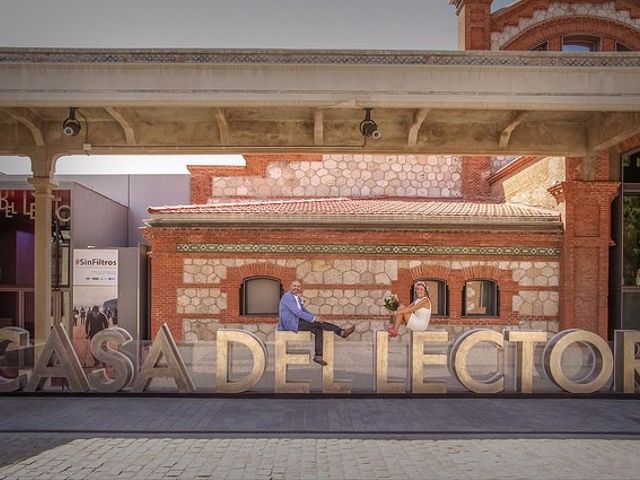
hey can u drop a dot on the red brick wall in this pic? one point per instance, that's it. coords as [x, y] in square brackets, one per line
[585, 254]
[167, 265]
[474, 24]
[630, 144]
[553, 31]
[526, 8]
[475, 172]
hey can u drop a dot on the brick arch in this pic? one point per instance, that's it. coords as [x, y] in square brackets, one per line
[487, 272]
[630, 144]
[430, 271]
[511, 15]
[578, 25]
[235, 276]
[507, 286]
[263, 269]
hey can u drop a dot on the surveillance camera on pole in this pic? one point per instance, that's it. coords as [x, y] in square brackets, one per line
[71, 126]
[369, 128]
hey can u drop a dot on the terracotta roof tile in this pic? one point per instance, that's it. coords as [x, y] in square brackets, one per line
[343, 209]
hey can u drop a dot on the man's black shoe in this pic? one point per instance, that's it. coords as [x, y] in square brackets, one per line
[320, 361]
[348, 331]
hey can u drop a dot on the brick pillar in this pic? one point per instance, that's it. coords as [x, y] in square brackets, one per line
[475, 171]
[474, 24]
[166, 277]
[201, 184]
[584, 260]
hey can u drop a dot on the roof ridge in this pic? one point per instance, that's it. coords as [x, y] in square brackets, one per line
[259, 201]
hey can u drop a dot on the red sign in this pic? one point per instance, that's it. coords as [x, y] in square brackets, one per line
[15, 203]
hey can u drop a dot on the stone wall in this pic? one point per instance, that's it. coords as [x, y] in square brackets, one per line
[530, 185]
[435, 176]
[499, 161]
[352, 290]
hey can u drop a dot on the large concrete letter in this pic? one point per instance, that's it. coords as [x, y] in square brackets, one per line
[627, 369]
[164, 347]
[596, 377]
[16, 339]
[122, 365]
[329, 385]
[284, 358]
[58, 359]
[224, 345]
[419, 359]
[381, 366]
[458, 360]
[525, 342]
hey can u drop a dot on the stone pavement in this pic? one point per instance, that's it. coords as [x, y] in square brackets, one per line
[129, 437]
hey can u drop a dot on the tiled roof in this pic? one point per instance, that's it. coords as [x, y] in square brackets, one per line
[359, 211]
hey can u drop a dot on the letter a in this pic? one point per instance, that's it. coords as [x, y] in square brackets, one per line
[58, 359]
[164, 347]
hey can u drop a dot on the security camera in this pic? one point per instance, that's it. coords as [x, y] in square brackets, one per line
[369, 128]
[71, 126]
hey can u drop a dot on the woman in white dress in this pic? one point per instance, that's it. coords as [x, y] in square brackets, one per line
[417, 315]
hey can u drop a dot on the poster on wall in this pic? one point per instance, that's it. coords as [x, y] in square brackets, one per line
[95, 297]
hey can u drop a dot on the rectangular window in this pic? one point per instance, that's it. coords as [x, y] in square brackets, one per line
[480, 298]
[580, 43]
[260, 296]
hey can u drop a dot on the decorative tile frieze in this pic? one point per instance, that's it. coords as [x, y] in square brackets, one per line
[367, 249]
[524, 59]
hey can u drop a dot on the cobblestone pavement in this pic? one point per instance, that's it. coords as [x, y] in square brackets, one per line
[61, 456]
[128, 437]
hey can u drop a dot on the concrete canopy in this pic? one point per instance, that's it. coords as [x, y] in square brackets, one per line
[221, 101]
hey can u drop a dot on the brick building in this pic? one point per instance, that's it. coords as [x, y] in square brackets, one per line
[518, 242]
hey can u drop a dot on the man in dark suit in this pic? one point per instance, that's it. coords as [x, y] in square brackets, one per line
[96, 322]
[295, 317]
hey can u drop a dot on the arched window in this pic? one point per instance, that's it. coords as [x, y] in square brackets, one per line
[480, 298]
[438, 294]
[541, 47]
[621, 47]
[580, 43]
[260, 296]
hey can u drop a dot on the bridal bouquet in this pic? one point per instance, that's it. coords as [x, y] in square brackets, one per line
[391, 302]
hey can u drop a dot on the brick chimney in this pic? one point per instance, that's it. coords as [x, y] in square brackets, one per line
[474, 24]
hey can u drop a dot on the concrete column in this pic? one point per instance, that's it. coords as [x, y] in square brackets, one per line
[42, 167]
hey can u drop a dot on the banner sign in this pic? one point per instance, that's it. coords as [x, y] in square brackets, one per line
[164, 361]
[93, 267]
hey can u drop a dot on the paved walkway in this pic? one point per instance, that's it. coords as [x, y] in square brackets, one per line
[477, 438]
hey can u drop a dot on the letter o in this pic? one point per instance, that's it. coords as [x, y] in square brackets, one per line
[592, 382]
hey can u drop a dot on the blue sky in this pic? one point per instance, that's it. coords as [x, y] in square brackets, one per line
[305, 24]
